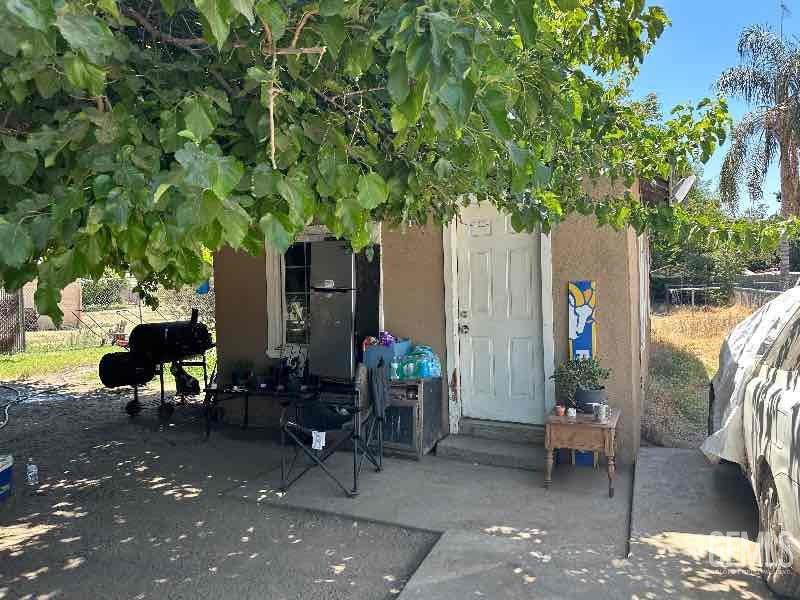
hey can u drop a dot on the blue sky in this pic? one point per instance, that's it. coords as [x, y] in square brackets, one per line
[700, 44]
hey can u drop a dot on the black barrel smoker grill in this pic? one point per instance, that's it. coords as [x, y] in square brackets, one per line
[151, 346]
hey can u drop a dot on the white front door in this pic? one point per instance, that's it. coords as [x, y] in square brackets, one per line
[499, 318]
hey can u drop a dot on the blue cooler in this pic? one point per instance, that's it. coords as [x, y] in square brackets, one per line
[374, 354]
[6, 466]
[583, 458]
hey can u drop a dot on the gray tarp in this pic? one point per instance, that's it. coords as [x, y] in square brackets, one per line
[739, 356]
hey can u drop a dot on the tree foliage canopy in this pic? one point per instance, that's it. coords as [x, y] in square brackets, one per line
[702, 260]
[139, 134]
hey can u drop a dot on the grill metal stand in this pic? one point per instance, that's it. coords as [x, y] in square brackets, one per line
[167, 408]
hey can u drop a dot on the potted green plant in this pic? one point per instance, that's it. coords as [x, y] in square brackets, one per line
[579, 383]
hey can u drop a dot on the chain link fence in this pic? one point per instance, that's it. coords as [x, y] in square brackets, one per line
[107, 311]
[756, 289]
[110, 308]
[12, 322]
[751, 290]
[771, 281]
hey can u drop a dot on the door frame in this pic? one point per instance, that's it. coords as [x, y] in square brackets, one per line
[450, 245]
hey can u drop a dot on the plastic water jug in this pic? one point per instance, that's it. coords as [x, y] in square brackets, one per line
[32, 473]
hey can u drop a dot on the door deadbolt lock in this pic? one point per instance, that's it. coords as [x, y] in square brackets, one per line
[463, 329]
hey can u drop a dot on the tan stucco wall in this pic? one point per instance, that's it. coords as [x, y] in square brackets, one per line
[413, 289]
[582, 250]
[413, 285]
[240, 285]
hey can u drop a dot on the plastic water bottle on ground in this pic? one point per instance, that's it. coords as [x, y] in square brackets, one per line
[32, 473]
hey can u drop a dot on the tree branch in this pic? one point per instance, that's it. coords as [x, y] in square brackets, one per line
[266, 38]
[334, 101]
[310, 50]
[221, 80]
[302, 24]
[359, 92]
[272, 93]
[186, 43]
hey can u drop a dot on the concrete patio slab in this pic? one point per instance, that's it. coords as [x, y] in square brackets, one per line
[467, 565]
[440, 495]
[464, 564]
[505, 537]
[696, 524]
[678, 490]
[679, 500]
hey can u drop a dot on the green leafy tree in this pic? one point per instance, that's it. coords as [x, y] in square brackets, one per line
[768, 79]
[138, 135]
[704, 260]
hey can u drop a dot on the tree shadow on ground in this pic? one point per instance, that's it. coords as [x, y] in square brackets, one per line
[135, 508]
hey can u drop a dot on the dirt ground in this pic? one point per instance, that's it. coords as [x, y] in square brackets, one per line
[133, 509]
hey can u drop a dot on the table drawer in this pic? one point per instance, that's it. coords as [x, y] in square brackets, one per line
[576, 439]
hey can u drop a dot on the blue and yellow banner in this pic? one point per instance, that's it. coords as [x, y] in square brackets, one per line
[581, 303]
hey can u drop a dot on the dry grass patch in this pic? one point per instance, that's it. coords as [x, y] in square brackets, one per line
[684, 354]
[699, 332]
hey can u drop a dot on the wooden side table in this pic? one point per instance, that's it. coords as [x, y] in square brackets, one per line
[582, 433]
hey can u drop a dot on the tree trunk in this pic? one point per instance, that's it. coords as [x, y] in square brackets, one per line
[790, 200]
[790, 186]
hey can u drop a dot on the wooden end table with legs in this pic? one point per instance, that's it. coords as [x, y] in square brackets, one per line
[582, 433]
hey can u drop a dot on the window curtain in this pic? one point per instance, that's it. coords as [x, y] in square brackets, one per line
[276, 302]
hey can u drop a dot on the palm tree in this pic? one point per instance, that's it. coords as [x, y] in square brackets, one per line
[768, 79]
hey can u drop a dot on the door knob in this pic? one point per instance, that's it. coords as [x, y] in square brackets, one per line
[463, 329]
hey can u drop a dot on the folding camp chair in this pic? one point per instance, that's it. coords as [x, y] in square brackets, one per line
[379, 388]
[337, 413]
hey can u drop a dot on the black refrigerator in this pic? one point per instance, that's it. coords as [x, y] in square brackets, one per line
[345, 306]
[331, 352]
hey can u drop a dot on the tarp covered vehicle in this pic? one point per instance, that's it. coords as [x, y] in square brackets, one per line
[755, 419]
